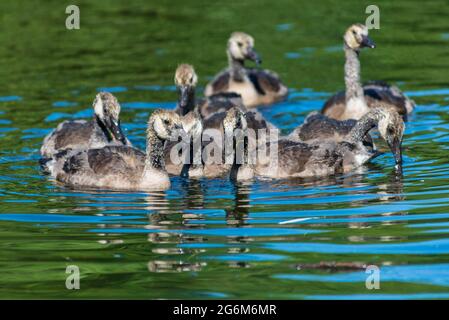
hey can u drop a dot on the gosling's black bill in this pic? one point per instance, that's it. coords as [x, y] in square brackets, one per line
[116, 130]
[184, 93]
[396, 149]
[254, 56]
[367, 42]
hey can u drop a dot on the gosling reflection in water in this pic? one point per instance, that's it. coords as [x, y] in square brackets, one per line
[160, 266]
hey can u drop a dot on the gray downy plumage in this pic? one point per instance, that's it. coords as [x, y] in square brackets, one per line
[328, 157]
[124, 167]
[104, 129]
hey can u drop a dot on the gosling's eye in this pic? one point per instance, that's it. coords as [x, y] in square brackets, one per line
[390, 131]
[240, 44]
[354, 33]
[166, 122]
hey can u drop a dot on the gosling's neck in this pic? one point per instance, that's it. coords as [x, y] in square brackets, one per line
[364, 125]
[353, 84]
[237, 68]
[154, 160]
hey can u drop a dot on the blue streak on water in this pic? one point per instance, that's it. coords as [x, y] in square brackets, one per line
[112, 89]
[10, 98]
[425, 93]
[432, 247]
[64, 104]
[436, 274]
[377, 296]
[284, 26]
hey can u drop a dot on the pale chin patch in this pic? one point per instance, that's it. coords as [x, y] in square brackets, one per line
[98, 107]
[236, 51]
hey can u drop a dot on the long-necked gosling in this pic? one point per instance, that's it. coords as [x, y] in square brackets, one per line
[104, 129]
[257, 87]
[124, 167]
[190, 163]
[328, 157]
[357, 100]
[186, 80]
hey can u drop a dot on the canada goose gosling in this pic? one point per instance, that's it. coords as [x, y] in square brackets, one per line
[236, 148]
[107, 111]
[391, 128]
[162, 125]
[355, 39]
[185, 81]
[240, 48]
[193, 126]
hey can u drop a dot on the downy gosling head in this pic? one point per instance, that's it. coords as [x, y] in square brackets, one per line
[391, 128]
[241, 48]
[166, 124]
[186, 80]
[356, 37]
[107, 111]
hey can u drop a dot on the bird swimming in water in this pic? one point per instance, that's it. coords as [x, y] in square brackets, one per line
[229, 153]
[356, 101]
[288, 158]
[188, 164]
[104, 129]
[256, 86]
[123, 167]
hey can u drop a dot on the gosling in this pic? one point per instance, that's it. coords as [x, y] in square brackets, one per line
[124, 167]
[356, 101]
[256, 87]
[104, 129]
[328, 157]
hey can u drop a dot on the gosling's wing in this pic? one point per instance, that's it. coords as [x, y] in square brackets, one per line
[256, 121]
[335, 106]
[266, 82]
[284, 158]
[214, 121]
[319, 126]
[219, 84]
[74, 134]
[376, 91]
[220, 102]
[115, 160]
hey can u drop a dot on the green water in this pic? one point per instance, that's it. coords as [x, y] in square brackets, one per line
[212, 239]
